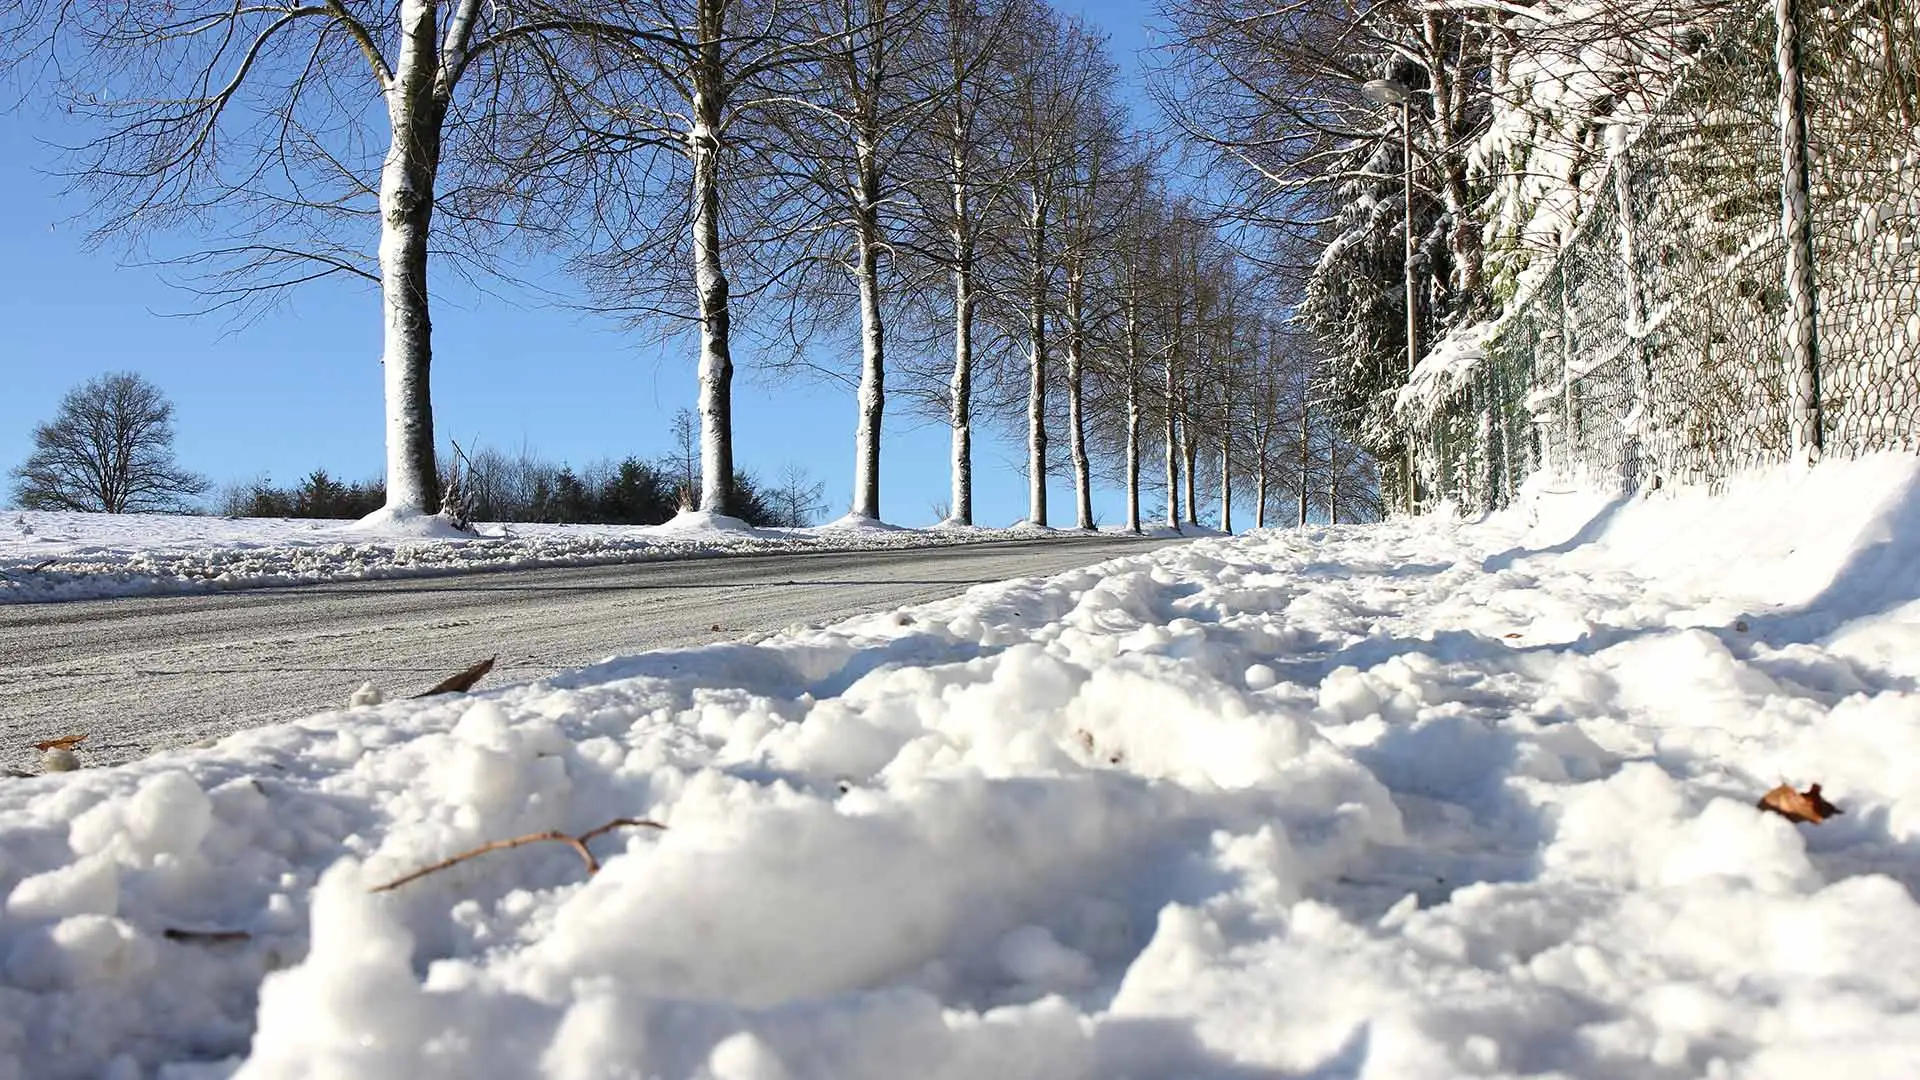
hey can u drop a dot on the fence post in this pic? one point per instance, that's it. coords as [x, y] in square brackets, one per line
[1799, 335]
[1636, 327]
[1508, 407]
[1569, 347]
[1635, 316]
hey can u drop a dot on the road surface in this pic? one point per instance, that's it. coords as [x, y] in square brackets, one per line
[145, 674]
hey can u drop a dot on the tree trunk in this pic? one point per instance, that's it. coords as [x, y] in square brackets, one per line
[1190, 457]
[406, 213]
[1172, 435]
[962, 381]
[1333, 477]
[1799, 335]
[1306, 451]
[872, 394]
[962, 385]
[1037, 370]
[1189, 449]
[960, 184]
[1226, 481]
[710, 281]
[1076, 390]
[1449, 97]
[1260, 493]
[1225, 363]
[1133, 415]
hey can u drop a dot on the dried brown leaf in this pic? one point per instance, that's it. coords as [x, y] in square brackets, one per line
[1808, 806]
[463, 682]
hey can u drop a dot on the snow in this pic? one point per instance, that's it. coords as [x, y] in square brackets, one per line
[394, 522]
[1428, 798]
[697, 522]
[860, 523]
[67, 556]
[1443, 370]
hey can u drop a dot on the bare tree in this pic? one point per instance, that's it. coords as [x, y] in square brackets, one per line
[1136, 240]
[1085, 234]
[109, 450]
[1382, 197]
[799, 499]
[1060, 63]
[965, 88]
[684, 462]
[846, 125]
[1266, 426]
[685, 183]
[1229, 416]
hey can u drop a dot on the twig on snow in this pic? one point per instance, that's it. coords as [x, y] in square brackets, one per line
[206, 937]
[577, 843]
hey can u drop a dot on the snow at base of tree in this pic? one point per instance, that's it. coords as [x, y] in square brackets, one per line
[63, 556]
[863, 523]
[705, 521]
[1408, 800]
[390, 523]
[1163, 532]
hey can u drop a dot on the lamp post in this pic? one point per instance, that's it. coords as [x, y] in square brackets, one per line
[1390, 92]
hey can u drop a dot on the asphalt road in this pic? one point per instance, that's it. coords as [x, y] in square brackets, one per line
[145, 674]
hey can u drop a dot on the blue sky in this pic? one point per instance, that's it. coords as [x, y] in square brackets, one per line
[300, 388]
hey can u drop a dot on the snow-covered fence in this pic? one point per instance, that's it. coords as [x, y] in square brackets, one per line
[1661, 345]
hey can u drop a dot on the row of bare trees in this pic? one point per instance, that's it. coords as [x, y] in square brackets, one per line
[948, 191]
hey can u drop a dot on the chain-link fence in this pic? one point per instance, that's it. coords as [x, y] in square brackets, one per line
[1661, 347]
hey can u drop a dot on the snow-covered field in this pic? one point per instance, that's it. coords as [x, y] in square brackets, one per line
[62, 556]
[1417, 800]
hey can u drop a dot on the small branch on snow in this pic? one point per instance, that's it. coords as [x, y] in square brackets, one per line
[577, 843]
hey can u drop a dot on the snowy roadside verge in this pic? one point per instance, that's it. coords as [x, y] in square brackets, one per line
[48, 556]
[1417, 800]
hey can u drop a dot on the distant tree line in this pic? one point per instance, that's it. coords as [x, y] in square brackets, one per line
[524, 487]
[110, 450]
[317, 496]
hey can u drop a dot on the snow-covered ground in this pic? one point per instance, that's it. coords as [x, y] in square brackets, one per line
[1416, 800]
[64, 556]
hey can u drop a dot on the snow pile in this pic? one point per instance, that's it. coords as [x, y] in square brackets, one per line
[389, 523]
[862, 523]
[67, 556]
[1838, 538]
[1411, 800]
[698, 522]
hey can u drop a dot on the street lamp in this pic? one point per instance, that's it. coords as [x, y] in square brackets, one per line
[1391, 92]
